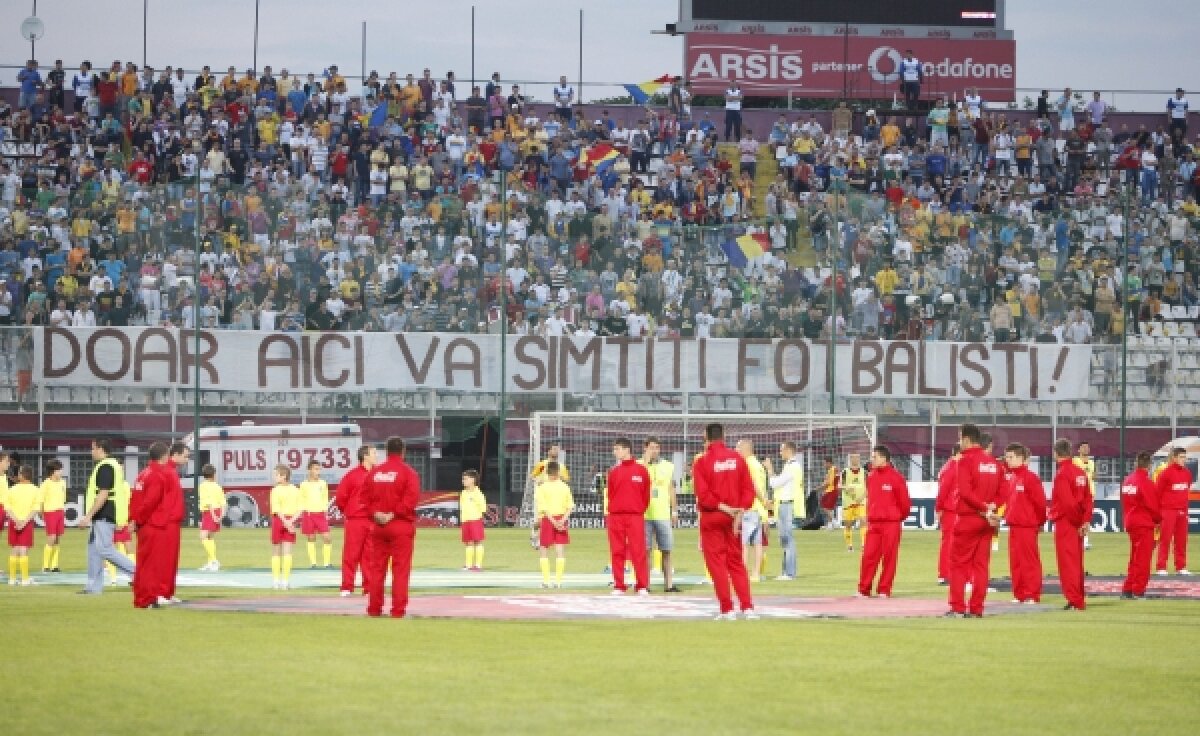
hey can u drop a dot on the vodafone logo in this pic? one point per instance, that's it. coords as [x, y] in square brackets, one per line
[884, 67]
[884, 64]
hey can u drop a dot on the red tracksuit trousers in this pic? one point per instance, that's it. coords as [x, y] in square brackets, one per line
[947, 545]
[354, 547]
[1141, 554]
[627, 541]
[150, 573]
[883, 544]
[1174, 528]
[170, 568]
[1025, 563]
[723, 557]
[970, 555]
[390, 543]
[1068, 550]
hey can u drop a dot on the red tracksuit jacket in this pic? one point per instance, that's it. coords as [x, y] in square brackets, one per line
[1026, 505]
[1174, 484]
[172, 493]
[946, 500]
[393, 487]
[1072, 501]
[351, 496]
[146, 504]
[979, 481]
[721, 476]
[1139, 501]
[887, 495]
[628, 488]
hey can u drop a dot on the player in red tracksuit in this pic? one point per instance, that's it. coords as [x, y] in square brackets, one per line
[1071, 512]
[392, 489]
[628, 497]
[1174, 485]
[724, 490]
[357, 522]
[888, 505]
[944, 508]
[978, 487]
[1142, 514]
[1025, 513]
[177, 456]
[148, 516]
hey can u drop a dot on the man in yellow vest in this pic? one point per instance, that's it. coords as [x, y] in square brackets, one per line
[788, 490]
[106, 506]
[1083, 461]
[663, 512]
[754, 521]
[854, 500]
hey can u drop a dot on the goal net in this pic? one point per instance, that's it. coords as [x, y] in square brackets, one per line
[585, 441]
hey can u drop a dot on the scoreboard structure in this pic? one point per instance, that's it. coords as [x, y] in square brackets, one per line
[851, 49]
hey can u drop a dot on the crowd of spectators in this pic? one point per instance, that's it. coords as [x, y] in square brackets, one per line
[408, 204]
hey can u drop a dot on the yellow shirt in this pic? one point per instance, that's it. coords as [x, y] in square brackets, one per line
[553, 498]
[471, 505]
[854, 487]
[758, 474]
[539, 470]
[212, 496]
[314, 495]
[285, 500]
[831, 479]
[54, 495]
[662, 477]
[1089, 468]
[22, 500]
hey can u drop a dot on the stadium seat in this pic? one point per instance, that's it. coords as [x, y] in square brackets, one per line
[1178, 312]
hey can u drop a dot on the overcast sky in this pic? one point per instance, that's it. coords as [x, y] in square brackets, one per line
[1082, 43]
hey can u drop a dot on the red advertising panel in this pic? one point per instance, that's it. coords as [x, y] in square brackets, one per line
[866, 67]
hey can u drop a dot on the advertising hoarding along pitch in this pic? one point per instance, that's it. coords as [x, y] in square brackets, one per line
[867, 67]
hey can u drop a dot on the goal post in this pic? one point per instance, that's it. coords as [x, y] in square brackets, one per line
[585, 441]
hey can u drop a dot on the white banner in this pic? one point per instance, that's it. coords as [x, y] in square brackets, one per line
[151, 357]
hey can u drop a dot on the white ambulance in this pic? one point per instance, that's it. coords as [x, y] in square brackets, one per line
[245, 457]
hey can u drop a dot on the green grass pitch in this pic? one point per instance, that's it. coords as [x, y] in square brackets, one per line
[87, 665]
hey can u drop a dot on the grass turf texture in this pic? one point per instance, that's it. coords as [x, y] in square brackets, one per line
[84, 664]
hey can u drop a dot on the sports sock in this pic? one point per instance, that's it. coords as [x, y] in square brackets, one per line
[287, 567]
[276, 566]
[657, 559]
[544, 563]
[54, 557]
[470, 561]
[312, 553]
[47, 556]
[24, 562]
[560, 566]
[479, 555]
[328, 554]
[848, 535]
[210, 548]
[862, 536]
[12, 567]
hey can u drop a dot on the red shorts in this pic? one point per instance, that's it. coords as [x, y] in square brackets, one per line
[472, 531]
[829, 500]
[122, 535]
[279, 533]
[55, 521]
[211, 522]
[23, 538]
[548, 536]
[314, 522]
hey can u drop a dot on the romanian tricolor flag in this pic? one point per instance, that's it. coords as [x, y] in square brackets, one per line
[641, 92]
[746, 248]
[600, 156]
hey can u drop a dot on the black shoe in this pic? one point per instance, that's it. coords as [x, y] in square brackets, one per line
[953, 614]
[973, 615]
[1127, 596]
[943, 583]
[55, 569]
[672, 589]
[85, 592]
[1070, 607]
[154, 605]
